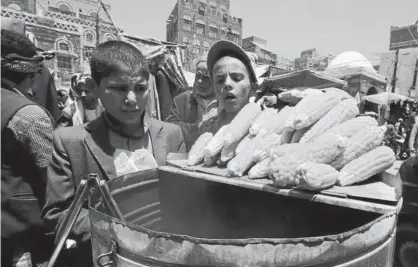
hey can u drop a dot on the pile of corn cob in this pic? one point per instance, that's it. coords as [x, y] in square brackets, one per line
[318, 142]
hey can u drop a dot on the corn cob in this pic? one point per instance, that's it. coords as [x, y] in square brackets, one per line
[217, 143]
[209, 161]
[240, 125]
[299, 134]
[240, 164]
[285, 149]
[286, 136]
[265, 120]
[243, 161]
[315, 176]
[196, 153]
[349, 128]
[283, 169]
[366, 166]
[243, 145]
[302, 105]
[318, 107]
[413, 136]
[365, 140]
[281, 119]
[228, 151]
[342, 94]
[345, 110]
[266, 143]
[260, 170]
[295, 95]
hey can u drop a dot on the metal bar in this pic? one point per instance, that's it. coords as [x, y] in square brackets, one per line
[67, 224]
[108, 200]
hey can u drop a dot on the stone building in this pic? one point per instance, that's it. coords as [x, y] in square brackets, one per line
[265, 55]
[200, 23]
[67, 27]
[361, 76]
[312, 59]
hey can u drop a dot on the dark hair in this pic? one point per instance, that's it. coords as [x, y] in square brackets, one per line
[14, 42]
[112, 56]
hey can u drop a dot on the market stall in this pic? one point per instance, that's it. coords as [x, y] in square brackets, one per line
[306, 185]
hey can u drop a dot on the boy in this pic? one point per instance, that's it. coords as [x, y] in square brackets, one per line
[112, 145]
[234, 80]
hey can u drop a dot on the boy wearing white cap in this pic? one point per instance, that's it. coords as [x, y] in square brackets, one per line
[234, 80]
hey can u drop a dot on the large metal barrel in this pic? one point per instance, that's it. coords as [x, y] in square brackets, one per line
[175, 220]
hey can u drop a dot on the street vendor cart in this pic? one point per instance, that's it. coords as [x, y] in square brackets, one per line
[196, 216]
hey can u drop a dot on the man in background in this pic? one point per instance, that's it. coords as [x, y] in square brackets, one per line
[26, 146]
[193, 107]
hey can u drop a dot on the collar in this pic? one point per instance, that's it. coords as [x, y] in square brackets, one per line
[117, 127]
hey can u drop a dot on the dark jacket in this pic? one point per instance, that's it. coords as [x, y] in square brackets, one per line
[81, 150]
[184, 114]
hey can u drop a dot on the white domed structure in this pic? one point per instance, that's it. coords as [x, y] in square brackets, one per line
[351, 59]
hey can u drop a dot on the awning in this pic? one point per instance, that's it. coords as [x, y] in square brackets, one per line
[199, 21]
[384, 98]
[206, 44]
[234, 31]
[196, 42]
[213, 25]
[187, 17]
[305, 78]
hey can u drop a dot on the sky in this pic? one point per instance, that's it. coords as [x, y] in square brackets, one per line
[289, 26]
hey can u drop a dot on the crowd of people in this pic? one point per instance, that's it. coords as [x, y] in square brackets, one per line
[52, 139]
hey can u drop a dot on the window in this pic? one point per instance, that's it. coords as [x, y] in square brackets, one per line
[201, 10]
[200, 27]
[64, 47]
[213, 32]
[196, 47]
[214, 12]
[14, 6]
[93, 14]
[185, 40]
[206, 47]
[225, 18]
[64, 7]
[89, 37]
[187, 24]
[87, 52]
[64, 62]
[109, 37]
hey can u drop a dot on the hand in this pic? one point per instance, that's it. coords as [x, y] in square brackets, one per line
[67, 112]
[206, 124]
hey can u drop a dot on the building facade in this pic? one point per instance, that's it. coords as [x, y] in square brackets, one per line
[67, 27]
[265, 56]
[311, 59]
[199, 24]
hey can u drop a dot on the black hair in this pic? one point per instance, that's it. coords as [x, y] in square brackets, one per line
[14, 42]
[112, 56]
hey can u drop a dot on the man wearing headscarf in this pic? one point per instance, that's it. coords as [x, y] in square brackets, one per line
[26, 148]
[82, 104]
[193, 107]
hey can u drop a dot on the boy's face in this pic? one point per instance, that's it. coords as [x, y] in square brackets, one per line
[232, 84]
[124, 94]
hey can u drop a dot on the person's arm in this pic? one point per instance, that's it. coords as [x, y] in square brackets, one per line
[60, 191]
[190, 130]
[33, 128]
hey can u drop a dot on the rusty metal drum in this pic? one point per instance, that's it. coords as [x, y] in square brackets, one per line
[172, 220]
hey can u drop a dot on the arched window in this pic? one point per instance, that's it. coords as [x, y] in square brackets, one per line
[213, 30]
[109, 37]
[64, 7]
[206, 47]
[187, 23]
[14, 6]
[89, 37]
[196, 46]
[93, 14]
[64, 47]
[200, 26]
[201, 10]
